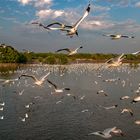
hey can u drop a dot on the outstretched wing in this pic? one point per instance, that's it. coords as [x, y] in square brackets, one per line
[42, 25]
[66, 49]
[44, 77]
[26, 75]
[55, 23]
[83, 17]
[55, 86]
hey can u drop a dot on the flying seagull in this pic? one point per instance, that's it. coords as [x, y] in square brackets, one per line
[117, 36]
[115, 62]
[70, 52]
[71, 30]
[104, 134]
[136, 53]
[58, 90]
[38, 82]
[127, 110]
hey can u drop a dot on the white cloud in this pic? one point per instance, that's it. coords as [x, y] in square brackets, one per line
[24, 2]
[49, 14]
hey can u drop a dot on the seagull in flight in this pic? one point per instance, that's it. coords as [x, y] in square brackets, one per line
[71, 30]
[70, 52]
[104, 134]
[56, 89]
[115, 62]
[117, 36]
[136, 53]
[38, 82]
[127, 110]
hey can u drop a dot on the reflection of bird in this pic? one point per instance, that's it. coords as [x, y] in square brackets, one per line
[70, 52]
[127, 110]
[8, 81]
[117, 36]
[71, 30]
[105, 134]
[37, 82]
[56, 88]
[115, 62]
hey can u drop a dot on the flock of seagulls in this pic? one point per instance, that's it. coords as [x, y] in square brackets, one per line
[72, 30]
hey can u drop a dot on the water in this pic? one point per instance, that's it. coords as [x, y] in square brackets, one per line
[60, 117]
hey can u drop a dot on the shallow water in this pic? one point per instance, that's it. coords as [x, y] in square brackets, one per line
[53, 120]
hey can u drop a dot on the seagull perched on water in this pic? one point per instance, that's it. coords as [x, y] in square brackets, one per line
[106, 133]
[117, 36]
[70, 52]
[109, 107]
[37, 82]
[124, 97]
[136, 99]
[58, 90]
[71, 30]
[115, 62]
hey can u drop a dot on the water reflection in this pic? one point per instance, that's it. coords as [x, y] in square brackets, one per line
[60, 116]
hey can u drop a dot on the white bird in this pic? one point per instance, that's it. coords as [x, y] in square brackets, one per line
[58, 90]
[26, 115]
[70, 52]
[127, 110]
[115, 62]
[124, 97]
[22, 119]
[104, 134]
[21, 92]
[28, 105]
[136, 99]
[71, 30]
[102, 92]
[136, 53]
[117, 36]
[1, 117]
[37, 82]
[109, 107]
[2, 104]
[85, 110]
[137, 122]
[1, 109]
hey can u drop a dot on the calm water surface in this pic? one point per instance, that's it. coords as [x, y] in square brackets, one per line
[61, 117]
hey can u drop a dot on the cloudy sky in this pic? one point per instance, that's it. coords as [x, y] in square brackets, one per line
[106, 17]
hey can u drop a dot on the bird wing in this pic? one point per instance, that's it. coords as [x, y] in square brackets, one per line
[109, 130]
[66, 49]
[109, 35]
[55, 23]
[52, 84]
[83, 17]
[44, 77]
[31, 76]
[121, 57]
[109, 61]
[135, 53]
[40, 24]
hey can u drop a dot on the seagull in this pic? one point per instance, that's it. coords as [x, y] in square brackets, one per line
[127, 110]
[22, 119]
[2, 104]
[124, 97]
[56, 88]
[26, 115]
[115, 62]
[102, 92]
[28, 105]
[137, 122]
[8, 81]
[136, 99]
[117, 36]
[136, 53]
[70, 52]
[71, 30]
[109, 107]
[1, 109]
[37, 82]
[104, 134]
[1, 117]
